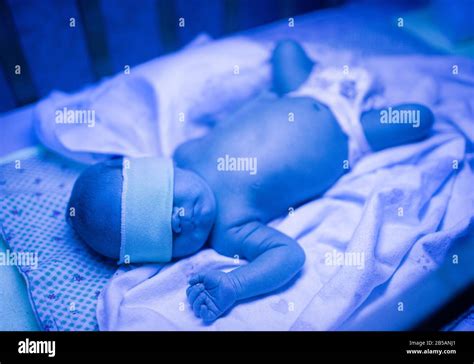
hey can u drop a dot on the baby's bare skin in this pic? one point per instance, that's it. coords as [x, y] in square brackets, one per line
[295, 161]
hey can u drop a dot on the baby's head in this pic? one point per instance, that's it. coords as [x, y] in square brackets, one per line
[142, 210]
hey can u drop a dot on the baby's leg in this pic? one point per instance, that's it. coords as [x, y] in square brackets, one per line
[290, 66]
[397, 125]
[274, 260]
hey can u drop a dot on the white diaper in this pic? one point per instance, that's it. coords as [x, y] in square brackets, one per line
[344, 93]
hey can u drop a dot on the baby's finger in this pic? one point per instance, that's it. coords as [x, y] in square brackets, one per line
[196, 279]
[197, 304]
[188, 290]
[207, 315]
[214, 311]
[193, 291]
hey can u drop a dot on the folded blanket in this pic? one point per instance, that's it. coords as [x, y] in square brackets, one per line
[158, 105]
[390, 220]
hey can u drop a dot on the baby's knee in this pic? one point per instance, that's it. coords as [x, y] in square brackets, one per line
[94, 207]
[415, 121]
[284, 47]
[425, 119]
[396, 125]
[290, 65]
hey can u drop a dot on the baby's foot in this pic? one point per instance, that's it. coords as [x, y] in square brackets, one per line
[211, 294]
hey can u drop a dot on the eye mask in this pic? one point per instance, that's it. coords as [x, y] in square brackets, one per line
[147, 203]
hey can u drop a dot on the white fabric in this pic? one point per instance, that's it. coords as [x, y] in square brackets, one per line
[159, 104]
[360, 214]
[344, 91]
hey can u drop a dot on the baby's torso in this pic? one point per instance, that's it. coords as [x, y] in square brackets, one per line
[272, 155]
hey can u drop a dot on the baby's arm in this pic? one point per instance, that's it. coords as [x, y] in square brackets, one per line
[274, 259]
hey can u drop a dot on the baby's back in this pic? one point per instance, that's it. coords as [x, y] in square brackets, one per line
[273, 154]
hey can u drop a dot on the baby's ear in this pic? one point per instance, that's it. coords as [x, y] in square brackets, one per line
[94, 207]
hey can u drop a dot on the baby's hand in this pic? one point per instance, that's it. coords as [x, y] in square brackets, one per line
[211, 294]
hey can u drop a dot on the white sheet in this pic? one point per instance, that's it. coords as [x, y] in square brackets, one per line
[360, 214]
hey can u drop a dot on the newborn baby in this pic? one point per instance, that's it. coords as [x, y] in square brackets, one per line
[220, 191]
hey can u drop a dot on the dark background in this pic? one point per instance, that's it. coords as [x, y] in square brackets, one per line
[110, 34]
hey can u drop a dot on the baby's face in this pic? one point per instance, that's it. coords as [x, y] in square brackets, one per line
[194, 211]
